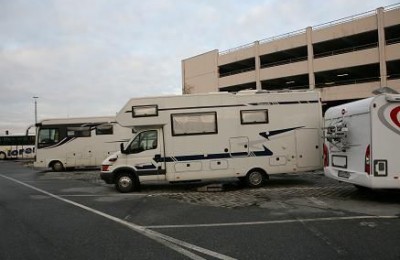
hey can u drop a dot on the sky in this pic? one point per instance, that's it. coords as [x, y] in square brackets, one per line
[86, 58]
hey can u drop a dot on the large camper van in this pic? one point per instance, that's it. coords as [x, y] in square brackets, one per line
[78, 142]
[362, 140]
[249, 135]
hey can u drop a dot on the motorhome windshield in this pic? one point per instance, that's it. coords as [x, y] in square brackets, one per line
[143, 141]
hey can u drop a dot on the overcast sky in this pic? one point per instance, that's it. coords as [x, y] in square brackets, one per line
[88, 57]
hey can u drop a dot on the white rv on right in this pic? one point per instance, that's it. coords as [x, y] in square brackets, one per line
[362, 142]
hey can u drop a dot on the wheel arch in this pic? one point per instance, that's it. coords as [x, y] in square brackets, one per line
[53, 162]
[259, 169]
[256, 177]
[125, 170]
[3, 154]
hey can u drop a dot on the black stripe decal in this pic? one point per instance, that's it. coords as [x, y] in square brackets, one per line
[185, 108]
[268, 134]
[284, 103]
[265, 152]
[239, 105]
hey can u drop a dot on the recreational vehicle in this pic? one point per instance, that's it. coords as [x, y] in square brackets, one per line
[249, 135]
[361, 142]
[77, 142]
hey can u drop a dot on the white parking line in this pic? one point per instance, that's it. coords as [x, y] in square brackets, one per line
[285, 221]
[170, 242]
[103, 195]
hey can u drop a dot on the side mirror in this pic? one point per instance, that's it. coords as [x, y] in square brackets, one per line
[121, 147]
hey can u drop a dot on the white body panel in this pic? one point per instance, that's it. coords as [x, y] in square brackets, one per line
[287, 141]
[373, 123]
[78, 142]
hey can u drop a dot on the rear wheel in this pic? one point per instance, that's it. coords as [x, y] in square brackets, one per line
[126, 183]
[57, 166]
[256, 178]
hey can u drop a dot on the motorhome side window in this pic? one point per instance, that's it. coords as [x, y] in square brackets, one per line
[254, 117]
[79, 131]
[143, 141]
[194, 123]
[104, 129]
[48, 136]
[143, 111]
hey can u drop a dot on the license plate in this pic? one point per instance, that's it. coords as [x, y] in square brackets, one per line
[343, 174]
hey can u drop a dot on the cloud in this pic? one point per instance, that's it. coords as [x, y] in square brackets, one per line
[88, 57]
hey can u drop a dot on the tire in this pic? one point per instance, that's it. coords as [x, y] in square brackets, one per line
[57, 166]
[126, 182]
[2, 156]
[255, 178]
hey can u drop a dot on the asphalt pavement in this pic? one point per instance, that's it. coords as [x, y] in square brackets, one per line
[74, 215]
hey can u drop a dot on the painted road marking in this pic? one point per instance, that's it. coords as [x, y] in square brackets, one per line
[170, 242]
[269, 222]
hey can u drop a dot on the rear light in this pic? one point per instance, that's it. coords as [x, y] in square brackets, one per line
[368, 160]
[326, 156]
[105, 168]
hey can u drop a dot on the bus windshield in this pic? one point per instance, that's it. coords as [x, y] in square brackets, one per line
[48, 136]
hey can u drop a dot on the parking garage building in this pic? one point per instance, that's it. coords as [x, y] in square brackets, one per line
[345, 59]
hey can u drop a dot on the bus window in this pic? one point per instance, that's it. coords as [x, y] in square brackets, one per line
[104, 129]
[48, 136]
[78, 131]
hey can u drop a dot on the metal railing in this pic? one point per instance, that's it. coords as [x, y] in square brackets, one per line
[238, 71]
[316, 27]
[282, 62]
[346, 50]
[346, 82]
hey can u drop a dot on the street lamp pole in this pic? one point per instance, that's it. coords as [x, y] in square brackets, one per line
[35, 98]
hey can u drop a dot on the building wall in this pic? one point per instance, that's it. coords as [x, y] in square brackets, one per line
[344, 59]
[200, 73]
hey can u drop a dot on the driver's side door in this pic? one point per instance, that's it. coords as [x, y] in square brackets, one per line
[146, 154]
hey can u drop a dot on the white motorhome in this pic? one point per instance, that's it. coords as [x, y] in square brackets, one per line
[361, 142]
[77, 142]
[249, 135]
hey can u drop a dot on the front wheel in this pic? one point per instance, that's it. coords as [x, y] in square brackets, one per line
[255, 178]
[126, 183]
[2, 156]
[57, 166]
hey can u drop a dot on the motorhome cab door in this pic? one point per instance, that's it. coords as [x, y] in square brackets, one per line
[145, 154]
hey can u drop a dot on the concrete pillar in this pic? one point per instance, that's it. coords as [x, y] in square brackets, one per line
[258, 64]
[310, 58]
[381, 46]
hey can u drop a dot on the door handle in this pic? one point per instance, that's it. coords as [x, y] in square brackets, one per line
[157, 157]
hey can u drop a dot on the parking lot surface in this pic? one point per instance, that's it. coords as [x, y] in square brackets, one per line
[313, 189]
[295, 216]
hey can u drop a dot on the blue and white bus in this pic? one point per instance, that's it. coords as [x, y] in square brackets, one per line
[17, 147]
